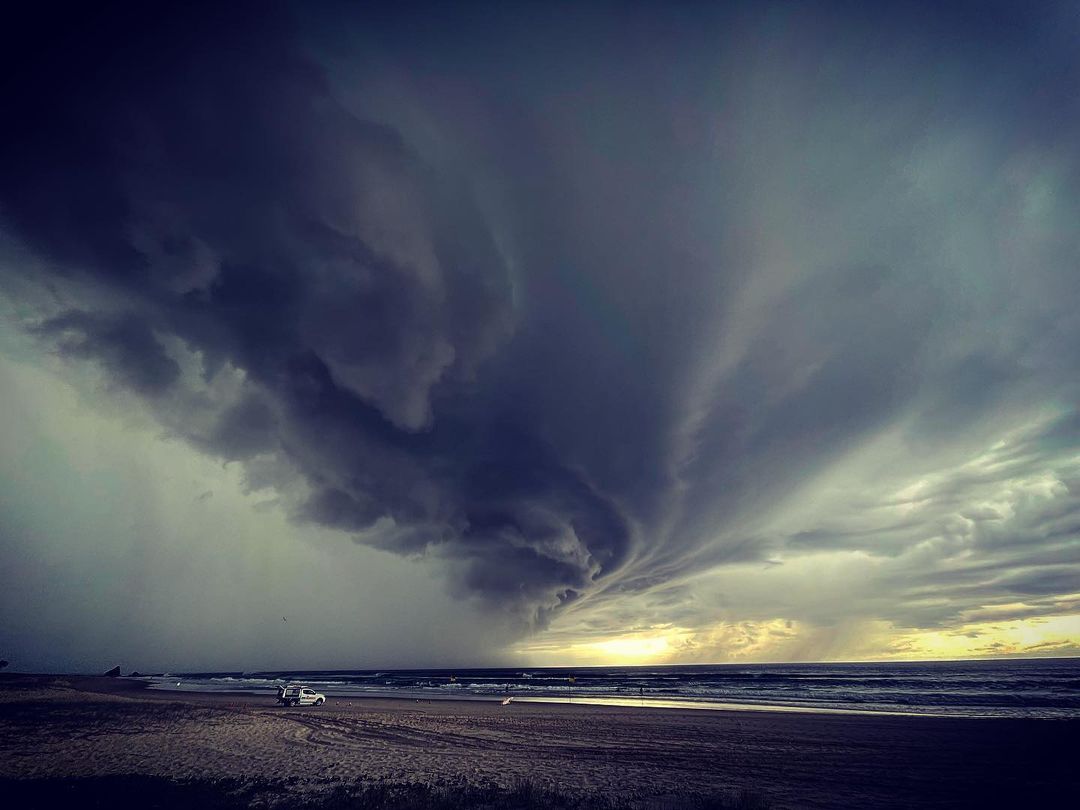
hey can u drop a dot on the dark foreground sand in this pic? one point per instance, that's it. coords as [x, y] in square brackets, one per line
[72, 728]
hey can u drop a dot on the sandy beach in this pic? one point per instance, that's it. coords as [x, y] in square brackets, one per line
[74, 728]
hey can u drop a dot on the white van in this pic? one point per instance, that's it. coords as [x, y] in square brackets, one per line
[295, 694]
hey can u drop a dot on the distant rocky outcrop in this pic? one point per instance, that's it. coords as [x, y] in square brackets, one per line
[135, 674]
[114, 672]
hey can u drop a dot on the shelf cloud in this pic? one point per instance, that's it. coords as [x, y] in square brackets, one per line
[599, 313]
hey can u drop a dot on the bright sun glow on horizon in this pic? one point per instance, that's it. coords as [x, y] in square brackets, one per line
[783, 641]
[1042, 636]
[644, 648]
[651, 646]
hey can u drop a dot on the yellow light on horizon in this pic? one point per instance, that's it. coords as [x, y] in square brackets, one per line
[634, 648]
[623, 650]
[1036, 636]
[785, 640]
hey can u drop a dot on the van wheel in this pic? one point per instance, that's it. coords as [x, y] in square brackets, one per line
[319, 702]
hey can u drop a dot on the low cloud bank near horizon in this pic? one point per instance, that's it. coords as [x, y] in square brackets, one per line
[673, 319]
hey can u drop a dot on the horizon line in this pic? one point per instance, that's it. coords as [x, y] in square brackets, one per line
[181, 673]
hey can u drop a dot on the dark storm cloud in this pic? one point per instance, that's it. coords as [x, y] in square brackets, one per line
[192, 170]
[575, 301]
[124, 345]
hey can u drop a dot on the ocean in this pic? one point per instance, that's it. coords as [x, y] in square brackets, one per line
[1045, 687]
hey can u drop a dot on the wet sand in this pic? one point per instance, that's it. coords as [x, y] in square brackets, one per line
[75, 727]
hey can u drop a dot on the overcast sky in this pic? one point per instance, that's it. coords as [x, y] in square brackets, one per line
[539, 333]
